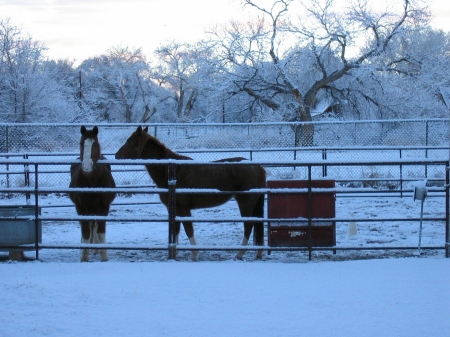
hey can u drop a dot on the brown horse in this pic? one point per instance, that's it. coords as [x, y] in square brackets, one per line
[142, 145]
[91, 174]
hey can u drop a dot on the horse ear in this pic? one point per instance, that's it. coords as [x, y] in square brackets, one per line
[146, 129]
[139, 129]
[95, 130]
[83, 130]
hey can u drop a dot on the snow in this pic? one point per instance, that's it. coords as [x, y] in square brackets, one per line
[142, 293]
[392, 297]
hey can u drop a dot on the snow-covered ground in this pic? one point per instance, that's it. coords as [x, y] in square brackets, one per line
[350, 293]
[388, 297]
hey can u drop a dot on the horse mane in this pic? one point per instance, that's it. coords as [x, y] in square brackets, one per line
[163, 150]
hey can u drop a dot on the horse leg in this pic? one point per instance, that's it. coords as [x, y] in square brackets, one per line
[100, 237]
[94, 235]
[251, 206]
[85, 238]
[177, 236]
[259, 253]
[189, 230]
[248, 227]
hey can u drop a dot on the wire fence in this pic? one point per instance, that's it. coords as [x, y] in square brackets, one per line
[22, 137]
[361, 157]
[57, 172]
[355, 140]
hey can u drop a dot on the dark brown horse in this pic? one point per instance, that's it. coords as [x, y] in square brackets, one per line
[91, 174]
[142, 145]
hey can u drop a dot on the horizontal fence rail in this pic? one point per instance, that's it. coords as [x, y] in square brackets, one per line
[35, 190]
[57, 171]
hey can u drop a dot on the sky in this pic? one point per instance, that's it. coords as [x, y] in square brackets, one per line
[79, 29]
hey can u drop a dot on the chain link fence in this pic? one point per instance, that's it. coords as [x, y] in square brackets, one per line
[349, 140]
[22, 137]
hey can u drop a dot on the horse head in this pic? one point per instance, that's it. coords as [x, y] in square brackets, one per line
[132, 148]
[90, 151]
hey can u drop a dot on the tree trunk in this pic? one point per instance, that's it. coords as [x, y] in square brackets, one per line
[180, 102]
[190, 104]
[147, 115]
[127, 106]
[304, 133]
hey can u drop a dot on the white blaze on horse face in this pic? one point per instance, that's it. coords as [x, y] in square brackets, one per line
[87, 164]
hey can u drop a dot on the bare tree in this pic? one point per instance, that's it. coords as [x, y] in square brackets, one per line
[240, 54]
[177, 66]
[25, 83]
[331, 31]
[114, 83]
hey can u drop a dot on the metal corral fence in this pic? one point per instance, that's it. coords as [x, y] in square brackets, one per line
[35, 158]
[359, 187]
[383, 176]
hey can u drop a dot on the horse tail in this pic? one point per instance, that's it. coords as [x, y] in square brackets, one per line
[258, 211]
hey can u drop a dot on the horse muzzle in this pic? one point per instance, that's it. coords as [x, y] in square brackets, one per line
[87, 165]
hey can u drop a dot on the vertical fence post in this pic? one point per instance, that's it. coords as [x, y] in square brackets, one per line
[7, 151]
[447, 210]
[426, 148]
[171, 208]
[296, 140]
[295, 157]
[324, 167]
[26, 169]
[401, 176]
[309, 213]
[7, 138]
[36, 210]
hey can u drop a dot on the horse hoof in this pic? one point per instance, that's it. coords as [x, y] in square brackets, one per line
[103, 257]
[259, 255]
[84, 256]
[194, 256]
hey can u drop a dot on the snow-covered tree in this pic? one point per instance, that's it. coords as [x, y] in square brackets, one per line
[330, 33]
[247, 76]
[29, 83]
[117, 86]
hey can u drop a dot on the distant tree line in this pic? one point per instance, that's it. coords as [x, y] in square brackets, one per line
[294, 61]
